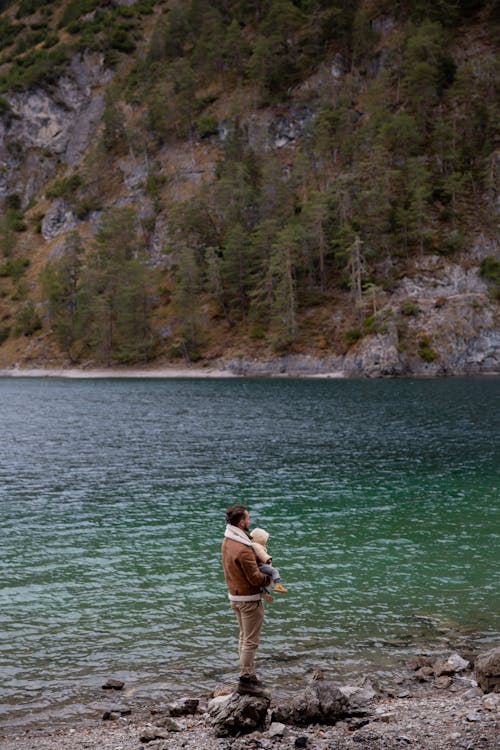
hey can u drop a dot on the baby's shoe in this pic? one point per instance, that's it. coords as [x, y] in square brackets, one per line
[279, 587]
[266, 596]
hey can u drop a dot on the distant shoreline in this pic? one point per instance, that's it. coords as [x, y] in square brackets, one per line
[207, 373]
[163, 372]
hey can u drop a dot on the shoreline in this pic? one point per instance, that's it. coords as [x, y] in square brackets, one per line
[157, 373]
[430, 713]
[204, 372]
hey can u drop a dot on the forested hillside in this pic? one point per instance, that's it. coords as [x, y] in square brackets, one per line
[225, 179]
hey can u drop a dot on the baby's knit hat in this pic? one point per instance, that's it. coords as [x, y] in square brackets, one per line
[260, 536]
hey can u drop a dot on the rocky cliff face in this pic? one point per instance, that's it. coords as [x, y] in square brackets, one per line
[453, 329]
[438, 319]
[42, 128]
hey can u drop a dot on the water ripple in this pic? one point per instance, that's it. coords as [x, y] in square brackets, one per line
[381, 499]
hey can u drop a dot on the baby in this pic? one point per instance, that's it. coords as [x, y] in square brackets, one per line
[259, 538]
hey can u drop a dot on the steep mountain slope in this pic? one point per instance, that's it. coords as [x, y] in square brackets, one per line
[307, 182]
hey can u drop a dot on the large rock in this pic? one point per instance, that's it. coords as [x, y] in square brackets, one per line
[238, 714]
[375, 356]
[45, 126]
[487, 670]
[58, 219]
[321, 702]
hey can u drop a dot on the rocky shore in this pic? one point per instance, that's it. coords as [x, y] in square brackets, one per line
[442, 703]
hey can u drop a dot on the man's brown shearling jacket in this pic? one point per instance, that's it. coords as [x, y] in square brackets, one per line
[241, 571]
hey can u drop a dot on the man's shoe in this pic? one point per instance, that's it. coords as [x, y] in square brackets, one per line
[250, 685]
[279, 587]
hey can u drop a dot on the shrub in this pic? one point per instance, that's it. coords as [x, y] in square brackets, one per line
[84, 207]
[27, 320]
[121, 41]
[37, 67]
[65, 188]
[257, 331]
[51, 41]
[13, 201]
[454, 242]
[490, 269]
[14, 220]
[409, 308]
[75, 9]
[352, 335]
[4, 106]
[14, 267]
[28, 7]
[4, 333]
[425, 351]
[8, 32]
[207, 125]
[154, 183]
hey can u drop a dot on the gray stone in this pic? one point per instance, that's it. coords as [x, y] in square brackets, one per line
[58, 219]
[474, 692]
[441, 667]
[320, 702]
[487, 670]
[183, 707]
[113, 684]
[238, 714]
[277, 729]
[375, 356]
[443, 682]
[491, 702]
[456, 662]
[358, 697]
[155, 733]
[424, 674]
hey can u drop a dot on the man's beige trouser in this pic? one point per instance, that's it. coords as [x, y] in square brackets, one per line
[250, 618]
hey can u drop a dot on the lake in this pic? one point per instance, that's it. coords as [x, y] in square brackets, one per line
[381, 498]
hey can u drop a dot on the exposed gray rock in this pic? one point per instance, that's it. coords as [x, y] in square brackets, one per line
[359, 697]
[183, 707]
[292, 364]
[59, 218]
[375, 356]
[238, 714]
[277, 729]
[113, 684]
[287, 128]
[45, 126]
[487, 670]
[457, 663]
[321, 701]
[472, 694]
[491, 702]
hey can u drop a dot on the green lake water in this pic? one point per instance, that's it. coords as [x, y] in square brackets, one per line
[381, 498]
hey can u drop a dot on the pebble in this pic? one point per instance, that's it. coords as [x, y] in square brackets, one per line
[473, 717]
[277, 729]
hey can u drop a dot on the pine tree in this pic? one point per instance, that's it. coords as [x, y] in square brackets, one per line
[60, 283]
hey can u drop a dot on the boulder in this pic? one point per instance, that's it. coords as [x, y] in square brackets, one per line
[457, 663]
[320, 702]
[487, 670]
[183, 707]
[238, 714]
[113, 684]
[57, 219]
[441, 667]
[358, 697]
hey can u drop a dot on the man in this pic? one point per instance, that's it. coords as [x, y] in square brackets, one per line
[244, 581]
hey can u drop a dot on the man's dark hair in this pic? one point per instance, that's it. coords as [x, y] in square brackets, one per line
[234, 514]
